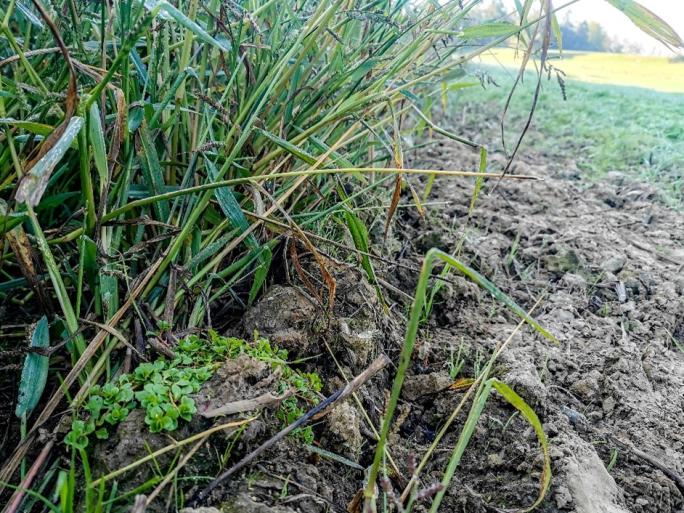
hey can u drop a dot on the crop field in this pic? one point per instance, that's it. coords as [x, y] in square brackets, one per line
[665, 74]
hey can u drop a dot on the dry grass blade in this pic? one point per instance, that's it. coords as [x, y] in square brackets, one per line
[649, 22]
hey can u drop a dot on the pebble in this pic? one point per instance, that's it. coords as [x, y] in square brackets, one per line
[614, 264]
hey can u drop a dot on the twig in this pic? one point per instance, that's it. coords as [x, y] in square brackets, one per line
[318, 411]
[244, 405]
[651, 460]
[18, 495]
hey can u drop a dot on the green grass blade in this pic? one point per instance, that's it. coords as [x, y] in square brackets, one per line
[649, 22]
[96, 135]
[35, 371]
[154, 174]
[359, 234]
[463, 441]
[517, 402]
[409, 343]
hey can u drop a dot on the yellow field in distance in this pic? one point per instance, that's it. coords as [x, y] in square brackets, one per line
[657, 73]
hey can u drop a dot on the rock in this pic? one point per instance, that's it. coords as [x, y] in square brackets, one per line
[425, 384]
[495, 459]
[562, 315]
[608, 405]
[285, 315]
[562, 497]
[614, 264]
[591, 487]
[524, 378]
[201, 509]
[344, 422]
[242, 378]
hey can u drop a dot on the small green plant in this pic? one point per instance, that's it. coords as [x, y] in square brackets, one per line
[163, 388]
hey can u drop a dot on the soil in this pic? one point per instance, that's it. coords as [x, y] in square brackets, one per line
[606, 260]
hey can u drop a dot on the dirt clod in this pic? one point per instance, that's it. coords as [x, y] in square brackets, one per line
[344, 423]
[285, 315]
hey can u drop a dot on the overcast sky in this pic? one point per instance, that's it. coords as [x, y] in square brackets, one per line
[619, 27]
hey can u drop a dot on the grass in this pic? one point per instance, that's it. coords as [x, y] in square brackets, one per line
[156, 157]
[601, 127]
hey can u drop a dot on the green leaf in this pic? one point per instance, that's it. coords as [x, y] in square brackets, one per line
[35, 371]
[9, 221]
[359, 234]
[260, 273]
[288, 146]
[649, 22]
[153, 171]
[498, 29]
[35, 128]
[232, 210]
[169, 11]
[97, 141]
[462, 443]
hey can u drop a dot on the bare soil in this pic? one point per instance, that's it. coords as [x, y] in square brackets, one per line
[606, 260]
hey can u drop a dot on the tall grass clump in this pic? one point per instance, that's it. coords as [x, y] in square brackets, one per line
[155, 155]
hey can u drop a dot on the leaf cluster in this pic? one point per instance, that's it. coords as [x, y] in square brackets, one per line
[164, 388]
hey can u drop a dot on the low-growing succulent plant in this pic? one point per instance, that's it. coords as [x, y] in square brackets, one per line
[164, 388]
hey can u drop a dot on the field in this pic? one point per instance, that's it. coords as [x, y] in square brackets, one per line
[609, 120]
[664, 74]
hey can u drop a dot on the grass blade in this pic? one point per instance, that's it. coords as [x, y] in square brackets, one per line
[33, 185]
[649, 22]
[35, 371]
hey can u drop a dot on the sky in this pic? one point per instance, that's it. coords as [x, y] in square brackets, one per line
[619, 27]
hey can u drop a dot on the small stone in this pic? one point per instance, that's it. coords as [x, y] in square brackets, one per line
[425, 384]
[201, 509]
[588, 386]
[614, 264]
[562, 315]
[555, 453]
[495, 460]
[608, 405]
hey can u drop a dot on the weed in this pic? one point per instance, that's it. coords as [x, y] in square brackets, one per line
[163, 388]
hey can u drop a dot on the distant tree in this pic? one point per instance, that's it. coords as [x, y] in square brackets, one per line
[489, 11]
[587, 36]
